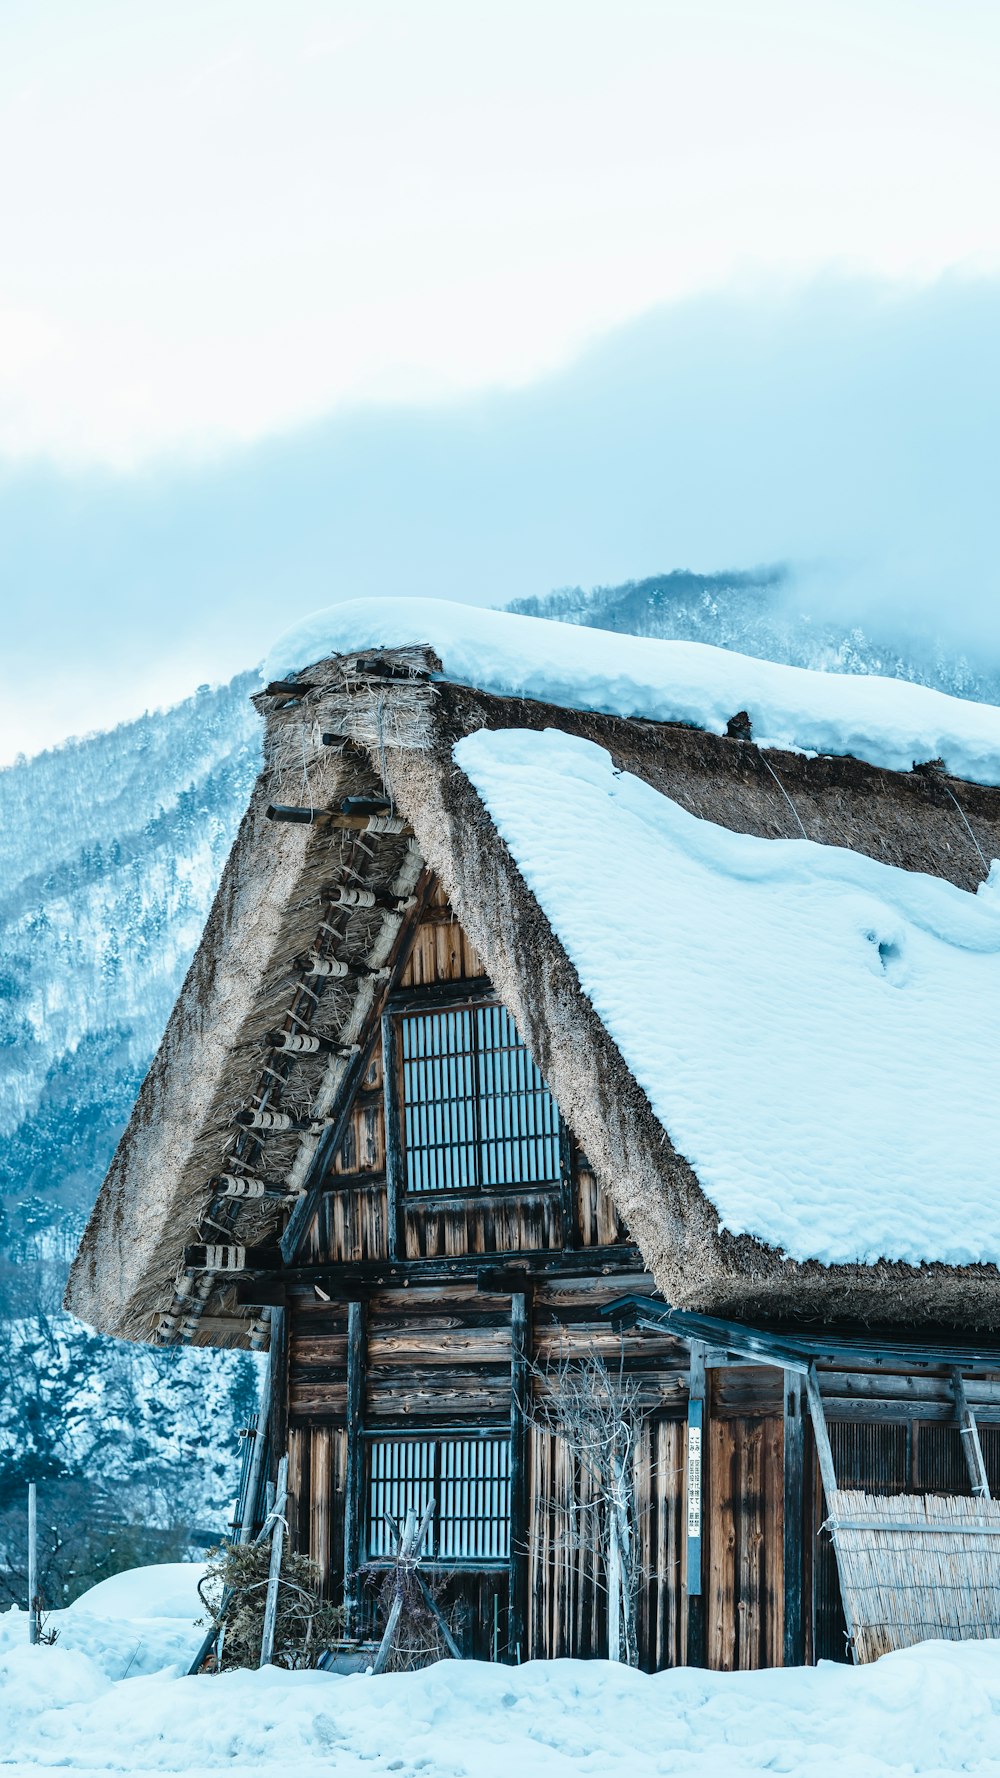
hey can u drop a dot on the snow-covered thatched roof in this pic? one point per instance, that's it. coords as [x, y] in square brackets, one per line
[774, 1049]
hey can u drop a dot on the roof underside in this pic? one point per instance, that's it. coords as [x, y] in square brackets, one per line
[382, 724]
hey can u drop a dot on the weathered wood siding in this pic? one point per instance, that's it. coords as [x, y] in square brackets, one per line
[429, 1361]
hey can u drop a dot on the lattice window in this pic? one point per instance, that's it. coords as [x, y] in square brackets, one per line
[469, 1481]
[476, 1112]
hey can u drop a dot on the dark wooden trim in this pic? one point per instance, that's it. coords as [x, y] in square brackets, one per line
[793, 1635]
[520, 1506]
[510, 1271]
[343, 1182]
[693, 1508]
[794, 1349]
[395, 1160]
[439, 996]
[477, 1194]
[355, 1476]
[567, 1188]
[277, 1407]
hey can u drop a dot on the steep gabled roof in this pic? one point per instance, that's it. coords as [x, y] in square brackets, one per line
[387, 722]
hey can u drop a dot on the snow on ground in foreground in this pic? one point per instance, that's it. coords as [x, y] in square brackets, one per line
[885, 721]
[818, 1032]
[138, 1622]
[933, 1710]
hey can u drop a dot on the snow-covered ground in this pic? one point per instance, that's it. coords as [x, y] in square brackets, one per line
[851, 1008]
[886, 721]
[934, 1710]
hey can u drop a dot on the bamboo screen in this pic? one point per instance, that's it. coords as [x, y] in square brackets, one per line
[469, 1482]
[476, 1111]
[916, 1567]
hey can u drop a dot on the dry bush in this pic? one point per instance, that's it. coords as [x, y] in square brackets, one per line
[234, 1593]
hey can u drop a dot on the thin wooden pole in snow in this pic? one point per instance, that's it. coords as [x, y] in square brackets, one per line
[274, 1573]
[32, 1564]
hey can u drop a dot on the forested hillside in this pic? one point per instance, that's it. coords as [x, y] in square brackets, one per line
[112, 850]
[760, 613]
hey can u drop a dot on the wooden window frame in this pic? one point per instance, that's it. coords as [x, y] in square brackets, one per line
[424, 1003]
[435, 1439]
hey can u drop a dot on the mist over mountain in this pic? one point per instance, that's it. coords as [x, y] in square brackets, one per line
[769, 612]
[113, 848]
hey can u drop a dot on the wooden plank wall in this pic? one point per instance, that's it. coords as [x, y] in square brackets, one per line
[352, 1221]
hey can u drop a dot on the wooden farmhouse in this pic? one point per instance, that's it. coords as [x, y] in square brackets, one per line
[412, 1130]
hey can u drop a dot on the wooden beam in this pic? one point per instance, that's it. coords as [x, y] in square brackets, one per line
[969, 1433]
[520, 1504]
[567, 1189]
[277, 1407]
[395, 1161]
[793, 1635]
[355, 1478]
[790, 1349]
[693, 1507]
[343, 1281]
[438, 996]
[821, 1436]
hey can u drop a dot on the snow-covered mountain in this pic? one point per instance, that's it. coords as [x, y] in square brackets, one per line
[764, 613]
[112, 849]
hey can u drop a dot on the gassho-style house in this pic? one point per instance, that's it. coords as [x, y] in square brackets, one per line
[580, 1005]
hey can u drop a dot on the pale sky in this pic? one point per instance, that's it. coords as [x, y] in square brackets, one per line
[219, 218]
[301, 300]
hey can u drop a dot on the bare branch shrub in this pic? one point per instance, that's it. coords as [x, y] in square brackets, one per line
[597, 1411]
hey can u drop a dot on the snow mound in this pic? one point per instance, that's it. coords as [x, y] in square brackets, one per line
[933, 1710]
[887, 722]
[816, 1031]
[139, 1622]
[163, 1590]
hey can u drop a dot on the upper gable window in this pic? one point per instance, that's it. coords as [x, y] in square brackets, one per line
[476, 1112]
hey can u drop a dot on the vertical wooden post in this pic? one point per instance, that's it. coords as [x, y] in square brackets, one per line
[969, 1433]
[394, 1160]
[520, 1505]
[693, 1505]
[32, 1564]
[274, 1571]
[246, 1529]
[277, 1406]
[355, 1478]
[793, 1635]
[567, 1190]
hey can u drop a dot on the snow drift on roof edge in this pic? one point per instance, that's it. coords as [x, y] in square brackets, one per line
[816, 1031]
[887, 722]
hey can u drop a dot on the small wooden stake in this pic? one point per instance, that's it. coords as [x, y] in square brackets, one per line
[274, 1572]
[33, 1613]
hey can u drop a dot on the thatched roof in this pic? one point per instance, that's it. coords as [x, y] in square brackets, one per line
[384, 723]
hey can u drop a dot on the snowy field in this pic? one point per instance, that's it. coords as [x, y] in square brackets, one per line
[934, 1710]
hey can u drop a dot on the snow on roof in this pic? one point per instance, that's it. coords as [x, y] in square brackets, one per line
[816, 1031]
[887, 722]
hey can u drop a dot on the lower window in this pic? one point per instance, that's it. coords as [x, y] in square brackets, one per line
[467, 1478]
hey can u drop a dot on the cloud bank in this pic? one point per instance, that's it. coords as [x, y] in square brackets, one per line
[847, 428]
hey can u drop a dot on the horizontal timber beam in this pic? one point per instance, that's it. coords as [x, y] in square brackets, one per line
[343, 1282]
[790, 1349]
